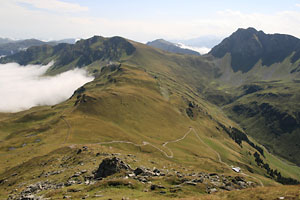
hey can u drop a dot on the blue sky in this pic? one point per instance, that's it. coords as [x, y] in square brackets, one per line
[181, 8]
[145, 20]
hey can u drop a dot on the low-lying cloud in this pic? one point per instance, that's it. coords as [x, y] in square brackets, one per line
[23, 87]
[201, 50]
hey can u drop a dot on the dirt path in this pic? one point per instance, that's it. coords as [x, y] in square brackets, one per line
[171, 155]
[69, 129]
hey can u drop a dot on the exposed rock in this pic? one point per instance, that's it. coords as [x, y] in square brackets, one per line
[191, 183]
[154, 187]
[85, 148]
[131, 175]
[142, 179]
[239, 178]
[211, 190]
[143, 172]
[79, 151]
[110, 166]
[102, 154]
[138, 171]
[199, 180]
[77, 174]
[29, 197]
[29, 193]
[73, 190]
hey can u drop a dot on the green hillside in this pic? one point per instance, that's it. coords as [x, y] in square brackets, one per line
[150, 109]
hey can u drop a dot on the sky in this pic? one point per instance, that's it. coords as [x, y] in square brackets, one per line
[23, 87]
[143, 20]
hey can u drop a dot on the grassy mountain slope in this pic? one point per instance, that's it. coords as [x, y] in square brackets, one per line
[261, 95]
[270, 112]
[139, 95]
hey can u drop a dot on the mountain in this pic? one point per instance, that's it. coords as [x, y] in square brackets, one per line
[171, 47]
[67, 40]
[260, 73]
[5, 40]
[12, 47]
[248, 46]
[208, 41]
[9, 47]
[152, 125]
[69, 56]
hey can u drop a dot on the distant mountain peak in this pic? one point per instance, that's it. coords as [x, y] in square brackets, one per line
[248, 46]
[171, 47]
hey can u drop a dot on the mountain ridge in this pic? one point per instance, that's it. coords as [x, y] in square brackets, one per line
[9, 46]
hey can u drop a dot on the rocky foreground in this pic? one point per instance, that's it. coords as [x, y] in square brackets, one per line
[113, 171]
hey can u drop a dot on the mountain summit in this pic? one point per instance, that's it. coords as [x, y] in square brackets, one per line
[248, 46]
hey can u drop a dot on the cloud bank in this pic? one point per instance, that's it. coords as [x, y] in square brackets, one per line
[23, 87]
[201, 50]
[40, 23]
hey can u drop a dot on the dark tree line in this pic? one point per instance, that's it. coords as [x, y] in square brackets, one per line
[274, 173]
[238, 136]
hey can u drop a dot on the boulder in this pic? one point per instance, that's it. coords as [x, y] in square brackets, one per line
[110, 166]
[139, 171]
[212, 190]
[143, 172]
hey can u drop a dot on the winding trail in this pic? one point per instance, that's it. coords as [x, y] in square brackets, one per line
[144, 143]
[69, 129]
[171, 152]
[171, 155]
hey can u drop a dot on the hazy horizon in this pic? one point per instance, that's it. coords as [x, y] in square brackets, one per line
[144, 21]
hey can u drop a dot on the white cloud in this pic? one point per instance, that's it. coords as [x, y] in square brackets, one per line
[298, 4]
[20, 22]
[22, 87]
[55, 5]
[201, 50]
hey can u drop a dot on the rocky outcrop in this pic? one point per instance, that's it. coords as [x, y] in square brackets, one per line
[110, 166]
[30, 192]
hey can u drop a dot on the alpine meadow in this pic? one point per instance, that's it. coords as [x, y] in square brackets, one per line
[107, 117]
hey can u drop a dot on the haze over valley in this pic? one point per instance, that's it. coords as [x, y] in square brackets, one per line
[26, 86]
